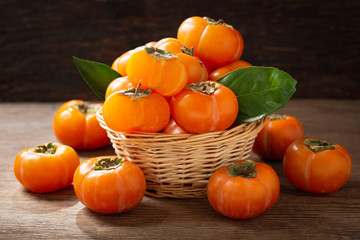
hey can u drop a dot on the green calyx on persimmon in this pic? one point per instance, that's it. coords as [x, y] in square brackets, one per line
[49, 148]
[86, 108]
[218, 22]
[159, 54]
[188, 51]
[276, 116]
[207, 87]
[108, 163]
[316, 145]
[246, 169]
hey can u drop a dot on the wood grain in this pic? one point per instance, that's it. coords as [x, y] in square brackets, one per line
[316, 42]
[296, 215]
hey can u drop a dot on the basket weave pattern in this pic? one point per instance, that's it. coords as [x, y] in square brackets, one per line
[179, 165]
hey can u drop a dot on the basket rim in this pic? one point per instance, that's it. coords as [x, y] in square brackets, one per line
[188, 137]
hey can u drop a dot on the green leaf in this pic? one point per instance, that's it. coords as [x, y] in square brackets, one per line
[97, 75]
[259, 91]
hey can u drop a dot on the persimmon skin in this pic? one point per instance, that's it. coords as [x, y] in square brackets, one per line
[79, 130]
[109, 191]
[321, 172]
[196, 112]
[45, 172]
[213, 50]
[174, 128]
[120, 63]
[197, 72]
[195, 69]
[276, 136]
[222, 71]
[165, 76]
[148, 114]
[170, 44]
[121, 83]
[240, 197]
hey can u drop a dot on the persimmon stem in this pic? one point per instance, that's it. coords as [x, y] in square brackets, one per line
[136, 93]
[220, 22]
[137, 90]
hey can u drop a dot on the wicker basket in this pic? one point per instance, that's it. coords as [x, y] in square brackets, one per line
[179, 165]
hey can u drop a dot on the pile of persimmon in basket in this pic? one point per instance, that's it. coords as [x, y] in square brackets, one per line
[170, 85]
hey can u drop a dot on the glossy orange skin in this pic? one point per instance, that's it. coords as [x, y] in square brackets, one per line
[216, 45]
[242, 198]
[166, 76]
[45, 172]
[276, 136]
[118, 84]
[78, 130]
[170, 44]
[148, 114]
[321, 172]
[195, 69]
[173, 128]
[197, 112]
[120, 63]
[222, 71]
[109, 191]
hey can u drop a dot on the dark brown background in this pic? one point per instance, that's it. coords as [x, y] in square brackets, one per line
[317, 42]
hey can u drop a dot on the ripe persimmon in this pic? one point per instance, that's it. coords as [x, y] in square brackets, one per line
[136, 110]
[204, 107]
[158, 70]
[215, 42]
[75, 124]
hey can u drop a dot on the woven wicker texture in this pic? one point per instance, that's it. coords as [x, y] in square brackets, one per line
[179, 165]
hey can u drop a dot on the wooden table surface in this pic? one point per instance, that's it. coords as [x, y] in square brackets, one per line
[296, 215]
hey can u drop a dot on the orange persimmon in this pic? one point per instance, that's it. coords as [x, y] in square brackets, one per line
[277, 134]
[313, 165]
[75, 124]
[46, 168]
[244, 190]
[204, 107]
[136, 110]
[158, 70]
[109, 184]
[215, 42]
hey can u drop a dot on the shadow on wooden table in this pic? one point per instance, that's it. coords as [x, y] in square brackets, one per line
[171, 219]
[195, 219]
[100, 226]
[44, 202]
